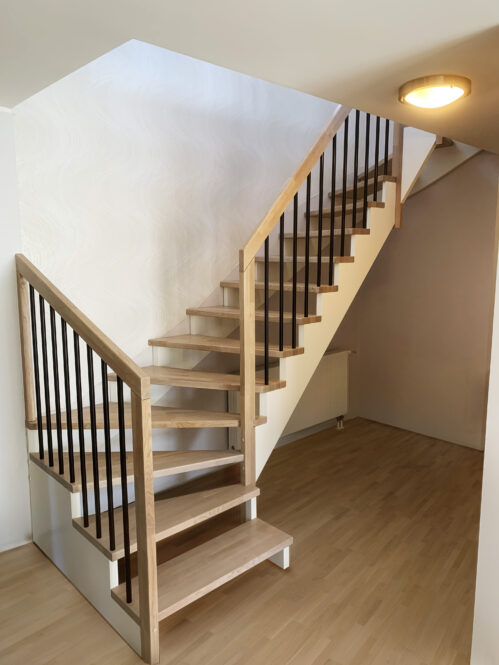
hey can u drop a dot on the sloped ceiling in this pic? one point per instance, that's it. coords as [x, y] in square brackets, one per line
[355, 53]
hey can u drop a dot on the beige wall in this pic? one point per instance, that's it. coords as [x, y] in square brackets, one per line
[420, 324]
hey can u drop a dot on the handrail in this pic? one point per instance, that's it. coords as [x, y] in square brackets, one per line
[247, 254]
[119, 361]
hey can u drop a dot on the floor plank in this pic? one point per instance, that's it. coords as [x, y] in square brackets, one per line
[385, 525]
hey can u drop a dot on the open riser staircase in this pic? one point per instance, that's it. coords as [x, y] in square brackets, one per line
[88, 405]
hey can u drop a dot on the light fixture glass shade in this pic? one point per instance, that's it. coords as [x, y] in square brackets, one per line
[431, 92]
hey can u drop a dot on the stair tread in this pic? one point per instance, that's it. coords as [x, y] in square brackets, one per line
[192, 378]
[220, 345]
[360, 186]
[162, 417]
[312, 259]
[195, 573]
[224, 312]
[165, 463]
[359, 231]
[172, 515]
[288, 286]
[349, 207]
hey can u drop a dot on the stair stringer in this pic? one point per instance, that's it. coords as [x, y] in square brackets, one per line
[298, 370]
[52, 511]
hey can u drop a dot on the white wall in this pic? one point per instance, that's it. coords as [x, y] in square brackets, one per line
[485, 647]
[14, 497]
[420, 324]
[142, 174]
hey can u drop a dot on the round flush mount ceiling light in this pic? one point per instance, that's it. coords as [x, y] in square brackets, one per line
[433, 92]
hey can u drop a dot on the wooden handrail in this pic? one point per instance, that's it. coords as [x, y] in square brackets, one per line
[118, 361]
[248, 253]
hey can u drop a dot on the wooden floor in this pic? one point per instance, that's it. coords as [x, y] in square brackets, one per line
[382, 572]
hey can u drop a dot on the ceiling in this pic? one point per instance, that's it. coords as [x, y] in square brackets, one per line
[355, 54]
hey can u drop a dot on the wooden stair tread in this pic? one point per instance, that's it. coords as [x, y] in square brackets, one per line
[223, 312]
[359, 231]
[165, 463]
[288, 286]
[370, 184]
[192, 378]
[172, 516]
[349, 207]
[301, 259]
[195, 573]
[162, 417]
[220, 345]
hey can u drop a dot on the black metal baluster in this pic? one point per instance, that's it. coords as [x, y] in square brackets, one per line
[366, 170]
[266, 315]
[93, 430]
[333, 205]
[355, 169]
[344, 192]
[387, 139]
[307, 245]
[281, 283]
[67, 393]
[124, 492]
[36, 369]
[57, 395]
[319, 227]
[81, 432]
[46, 385]
[376, 160]
[295, 249]
[107, 448]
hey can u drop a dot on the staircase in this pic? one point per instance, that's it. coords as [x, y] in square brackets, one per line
[88, 405]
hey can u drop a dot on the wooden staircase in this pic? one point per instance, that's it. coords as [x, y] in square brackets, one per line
[92, 463]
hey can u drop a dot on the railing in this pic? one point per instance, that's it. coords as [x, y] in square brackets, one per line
[42, 391]
[275, 219]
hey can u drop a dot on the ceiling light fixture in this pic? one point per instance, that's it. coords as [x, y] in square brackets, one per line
[432, 92]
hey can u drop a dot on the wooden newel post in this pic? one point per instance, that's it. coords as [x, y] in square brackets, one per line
[26, 348]
[398, 149]
[247, 368]
[146, 532]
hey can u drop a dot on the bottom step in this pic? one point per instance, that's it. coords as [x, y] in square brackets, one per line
[195, 573]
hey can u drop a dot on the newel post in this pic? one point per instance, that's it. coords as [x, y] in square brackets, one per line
[247, 368]
[398, 151]
[26, 347]
[145, 518]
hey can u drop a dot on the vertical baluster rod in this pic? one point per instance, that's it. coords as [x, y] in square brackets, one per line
[124, 491]
[387, 140]
[307, 244]
[266, 314]
[81, 432]
[93, 431]
[319, 227]
[366, 170]
[67, 394]
[107, 448]
[36, 368]
[376, 160]
[333, 205]
[57, 394]
[355, 169]
[46, 386]
[344, 190]
[295, 249]
[281, 283]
